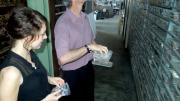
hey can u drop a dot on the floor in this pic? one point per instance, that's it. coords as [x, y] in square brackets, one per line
[114, 83]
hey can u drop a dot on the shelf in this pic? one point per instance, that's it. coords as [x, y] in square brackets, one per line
[154, 37]
[58, 5]
[153, 18]
[174, 53]
[4, 50]
[8, 5]
[163, 15]
[164, 4]
[59, 13]
[175, 66]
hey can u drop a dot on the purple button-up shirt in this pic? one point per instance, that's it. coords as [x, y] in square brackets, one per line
[72, 32]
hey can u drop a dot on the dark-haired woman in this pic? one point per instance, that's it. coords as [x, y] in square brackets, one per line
[22, 76]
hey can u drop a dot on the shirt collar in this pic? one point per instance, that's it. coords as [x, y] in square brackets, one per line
[74, 17]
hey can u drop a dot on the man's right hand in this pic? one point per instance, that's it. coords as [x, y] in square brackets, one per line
[98, 48]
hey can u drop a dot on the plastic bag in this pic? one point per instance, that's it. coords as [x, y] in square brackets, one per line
[102, 59]
[64, 89]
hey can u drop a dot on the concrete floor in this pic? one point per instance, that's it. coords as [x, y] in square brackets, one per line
[115, 83]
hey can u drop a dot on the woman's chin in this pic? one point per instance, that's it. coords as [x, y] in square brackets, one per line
[37, 47]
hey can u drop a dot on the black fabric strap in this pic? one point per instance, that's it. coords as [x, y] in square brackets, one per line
[88, 50]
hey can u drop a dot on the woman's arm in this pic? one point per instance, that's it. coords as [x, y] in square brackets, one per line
[10, 81]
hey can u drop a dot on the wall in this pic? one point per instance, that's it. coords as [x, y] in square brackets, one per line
[154, 44]
[45, 53]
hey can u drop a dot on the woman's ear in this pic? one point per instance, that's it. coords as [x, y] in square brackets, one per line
[28, 38]
[27, 42]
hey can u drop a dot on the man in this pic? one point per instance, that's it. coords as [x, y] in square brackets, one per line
[74, 43]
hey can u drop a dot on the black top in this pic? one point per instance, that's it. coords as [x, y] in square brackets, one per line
[35, 84]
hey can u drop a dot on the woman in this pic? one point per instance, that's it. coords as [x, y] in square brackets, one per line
[22, 76]
[74, 42]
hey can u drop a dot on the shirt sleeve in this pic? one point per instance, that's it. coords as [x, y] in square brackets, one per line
[61, 39]
[92, 23]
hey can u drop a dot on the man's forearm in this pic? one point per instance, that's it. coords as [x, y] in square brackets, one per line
[73, 55]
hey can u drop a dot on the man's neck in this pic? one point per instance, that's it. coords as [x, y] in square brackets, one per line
[76, 11]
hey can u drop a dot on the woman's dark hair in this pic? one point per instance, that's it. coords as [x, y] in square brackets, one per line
[22, 22]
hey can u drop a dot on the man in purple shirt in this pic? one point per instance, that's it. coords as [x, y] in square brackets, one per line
[74, 43]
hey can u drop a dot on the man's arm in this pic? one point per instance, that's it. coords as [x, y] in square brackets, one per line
[75, 54]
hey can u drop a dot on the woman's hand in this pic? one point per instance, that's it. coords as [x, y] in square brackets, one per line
[54, 96]
[55, 81]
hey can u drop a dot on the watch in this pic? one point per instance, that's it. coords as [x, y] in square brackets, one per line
[88, 50]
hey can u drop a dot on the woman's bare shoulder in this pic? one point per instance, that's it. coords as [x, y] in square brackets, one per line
[10, 73]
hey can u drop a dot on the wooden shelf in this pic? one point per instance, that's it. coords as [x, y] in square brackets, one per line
[4, 50]
[58, 5]
[59, 13]
[9, 5]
